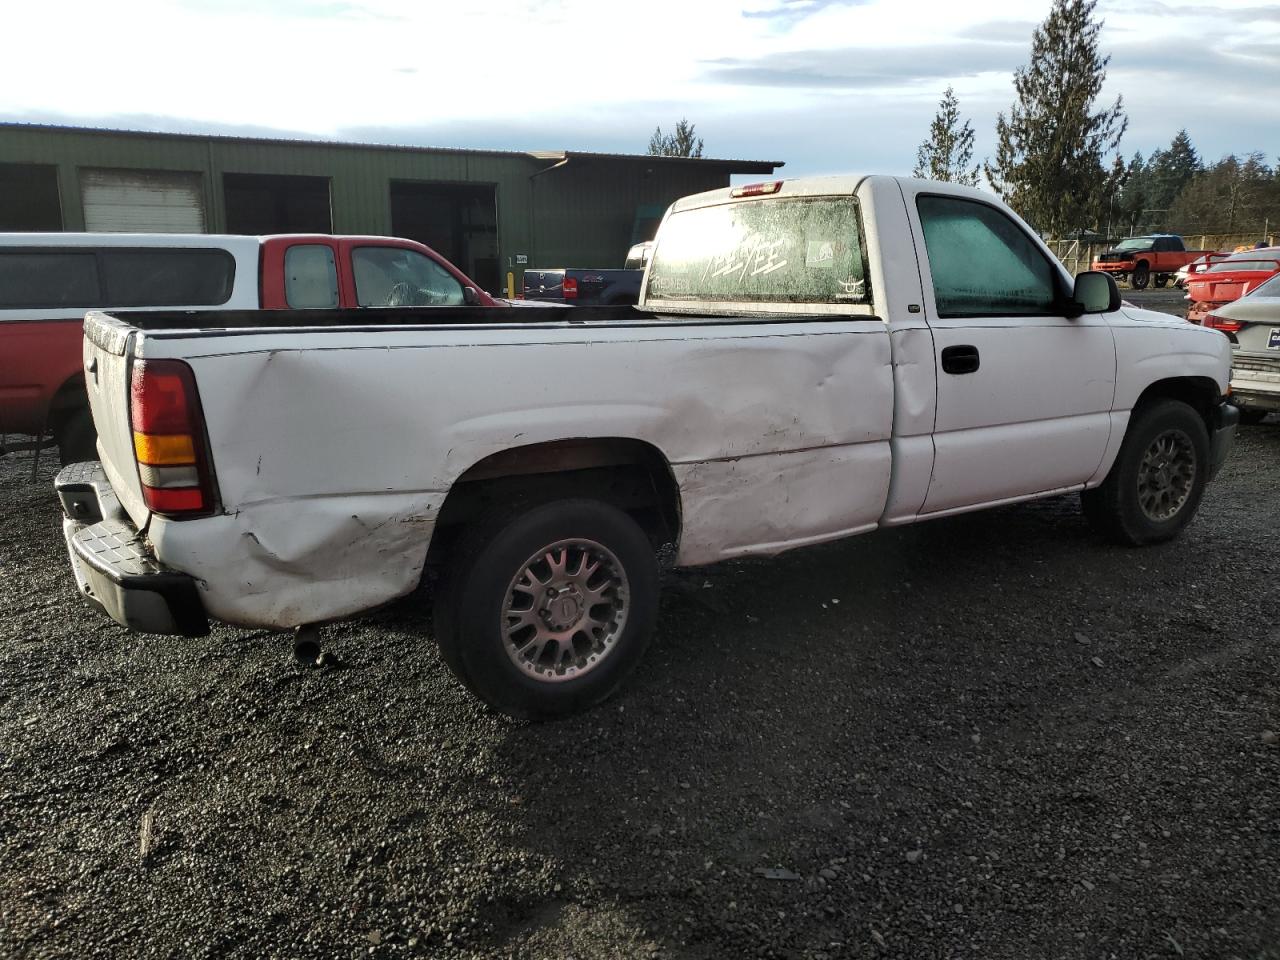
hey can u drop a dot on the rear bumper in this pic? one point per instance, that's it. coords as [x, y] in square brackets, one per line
[1255, 381]
[114, 570]
[1222, 435]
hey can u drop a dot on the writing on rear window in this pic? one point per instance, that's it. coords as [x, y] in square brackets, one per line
[801, 250]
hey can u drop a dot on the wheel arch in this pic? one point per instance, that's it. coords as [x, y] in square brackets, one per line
[67, 400]
[1202, 394]
[631, 474]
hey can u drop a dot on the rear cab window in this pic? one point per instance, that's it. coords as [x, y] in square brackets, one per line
[310, 276]
[803, 250]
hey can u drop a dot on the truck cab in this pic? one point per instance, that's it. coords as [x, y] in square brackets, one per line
[49, 280]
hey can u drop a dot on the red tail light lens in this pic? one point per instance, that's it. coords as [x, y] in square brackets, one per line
[1222, 323]
[570, 288]
[757, 189]
[169, 440]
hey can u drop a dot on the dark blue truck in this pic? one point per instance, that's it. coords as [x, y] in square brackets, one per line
[580, 287]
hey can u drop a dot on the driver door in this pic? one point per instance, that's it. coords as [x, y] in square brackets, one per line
[1024, 393]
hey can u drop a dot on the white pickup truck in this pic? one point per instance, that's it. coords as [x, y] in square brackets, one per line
[810, 359]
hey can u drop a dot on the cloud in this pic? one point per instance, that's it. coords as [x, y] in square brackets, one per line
[860, 68]
[787, 13]
[1001, 31]
[1237, 17]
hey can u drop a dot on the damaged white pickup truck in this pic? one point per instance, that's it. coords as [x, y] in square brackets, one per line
[810, 359]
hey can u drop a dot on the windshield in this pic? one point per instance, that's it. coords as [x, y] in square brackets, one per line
[1135, 244]
[1270, 263]
[803, 250]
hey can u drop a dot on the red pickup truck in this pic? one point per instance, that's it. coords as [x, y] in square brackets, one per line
[49, 280]
[1160, 255]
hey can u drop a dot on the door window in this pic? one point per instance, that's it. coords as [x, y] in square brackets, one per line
[310, 276]
[396, 277]
[984, 264]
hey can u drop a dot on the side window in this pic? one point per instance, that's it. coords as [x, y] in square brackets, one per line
[310, 276]
[49, 279]
[984, 264]
[172, 278]
[396, 277]
[1160, 246]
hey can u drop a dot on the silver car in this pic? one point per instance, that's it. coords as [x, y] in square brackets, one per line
[1253, 324]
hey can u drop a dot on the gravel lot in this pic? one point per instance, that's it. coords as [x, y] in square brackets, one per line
[992, 736]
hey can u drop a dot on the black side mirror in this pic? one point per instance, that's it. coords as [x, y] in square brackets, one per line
[469, 296]
[1095, 292]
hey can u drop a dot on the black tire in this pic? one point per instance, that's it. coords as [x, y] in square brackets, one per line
[1141, 276]
[1161, 279]
[77, 440]
[481, 574]
[1115, 508]
[1252, 416]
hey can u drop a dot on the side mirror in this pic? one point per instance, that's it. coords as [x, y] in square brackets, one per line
[1095, 292]
[469, 296]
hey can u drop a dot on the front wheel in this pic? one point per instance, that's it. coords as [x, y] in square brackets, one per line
[1155, 485]
[1141, 275]
[546, 613]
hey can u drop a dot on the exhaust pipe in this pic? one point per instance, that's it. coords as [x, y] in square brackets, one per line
[306, 645]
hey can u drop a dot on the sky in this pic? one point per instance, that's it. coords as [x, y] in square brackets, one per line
[829, 86]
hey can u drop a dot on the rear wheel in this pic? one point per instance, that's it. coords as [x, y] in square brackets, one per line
[1155, 485]
[545, 614]
[1141, 276]
[77, 440]
[1251, 416]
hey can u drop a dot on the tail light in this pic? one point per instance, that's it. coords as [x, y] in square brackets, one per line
[570, 288]
[1216, 322]
[169, 439]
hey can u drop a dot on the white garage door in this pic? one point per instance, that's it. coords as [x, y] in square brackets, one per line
[142, 201]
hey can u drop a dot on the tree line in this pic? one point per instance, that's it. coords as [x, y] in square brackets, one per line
[1057, 160]
[1057, 156]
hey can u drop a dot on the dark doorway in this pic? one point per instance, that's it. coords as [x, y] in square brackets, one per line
[29, 197]
[457, 220]
[275, 203]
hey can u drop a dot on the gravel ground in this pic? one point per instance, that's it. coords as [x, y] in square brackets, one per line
[992, 737]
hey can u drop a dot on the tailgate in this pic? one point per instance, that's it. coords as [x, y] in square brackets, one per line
[543, 284]
[108, 355]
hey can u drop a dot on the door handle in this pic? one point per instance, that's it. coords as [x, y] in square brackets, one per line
[960, 359]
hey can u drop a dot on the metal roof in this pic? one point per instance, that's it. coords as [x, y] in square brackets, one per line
[549, 156]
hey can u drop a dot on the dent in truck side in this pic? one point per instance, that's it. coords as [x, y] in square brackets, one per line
[756, 476]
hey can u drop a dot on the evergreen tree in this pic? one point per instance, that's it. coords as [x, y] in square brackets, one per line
[1233, 196]
[948, 152]
[1170, 171]
[1131, 199]
[681, 143]
[1051, 148]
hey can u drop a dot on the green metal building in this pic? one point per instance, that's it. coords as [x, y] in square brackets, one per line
[491, 212]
